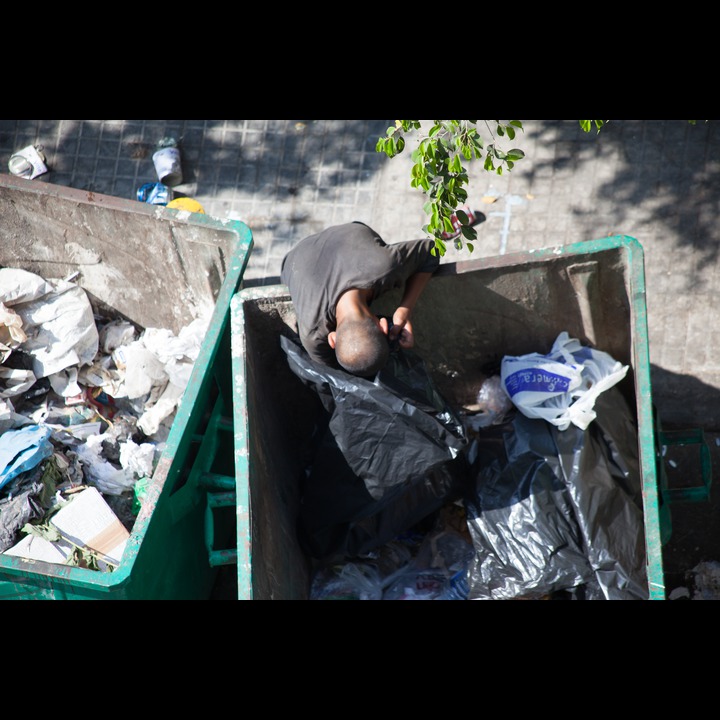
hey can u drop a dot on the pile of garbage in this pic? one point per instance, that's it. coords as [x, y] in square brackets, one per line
[86, 406]
[535, 494]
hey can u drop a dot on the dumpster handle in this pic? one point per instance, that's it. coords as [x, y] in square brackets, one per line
[218, 500]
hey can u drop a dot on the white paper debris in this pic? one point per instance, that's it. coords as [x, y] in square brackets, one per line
[101, 473]
[37, 548]
[56, 317]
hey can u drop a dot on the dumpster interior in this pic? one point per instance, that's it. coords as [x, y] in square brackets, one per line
[470, 316]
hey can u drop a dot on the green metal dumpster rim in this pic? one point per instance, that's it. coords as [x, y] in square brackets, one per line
[242, 431]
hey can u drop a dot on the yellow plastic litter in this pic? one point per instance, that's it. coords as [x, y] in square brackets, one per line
[185, 203]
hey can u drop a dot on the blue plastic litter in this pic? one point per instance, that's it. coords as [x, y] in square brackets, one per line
[22, 450]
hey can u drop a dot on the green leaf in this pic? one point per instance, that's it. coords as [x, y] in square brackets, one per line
[469, 233]
[46, 531]
[586, 125]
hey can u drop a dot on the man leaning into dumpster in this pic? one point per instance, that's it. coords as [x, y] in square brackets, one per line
[334, 276]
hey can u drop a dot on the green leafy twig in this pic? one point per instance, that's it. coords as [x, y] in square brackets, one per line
[439, 166]
[80, 557]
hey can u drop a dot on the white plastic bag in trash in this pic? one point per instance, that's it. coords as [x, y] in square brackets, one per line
[57, 319]
[101, 473]
[562, 386]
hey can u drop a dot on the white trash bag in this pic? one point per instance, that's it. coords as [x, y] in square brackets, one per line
[562, 386]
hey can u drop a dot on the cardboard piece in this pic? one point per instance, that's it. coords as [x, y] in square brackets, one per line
[87, 521]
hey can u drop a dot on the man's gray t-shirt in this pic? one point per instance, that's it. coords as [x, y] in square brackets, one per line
[321, 267]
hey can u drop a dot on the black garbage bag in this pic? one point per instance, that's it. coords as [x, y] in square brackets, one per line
[388, 455]
[553, 510]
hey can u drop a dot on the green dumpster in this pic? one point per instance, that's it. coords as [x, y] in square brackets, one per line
[156, 267]
[471, 313]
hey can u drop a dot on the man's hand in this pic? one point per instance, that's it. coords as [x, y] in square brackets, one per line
[402, 329]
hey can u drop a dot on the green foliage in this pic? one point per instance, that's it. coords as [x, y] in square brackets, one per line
[586, 125]
[79, 556]
[439, 166]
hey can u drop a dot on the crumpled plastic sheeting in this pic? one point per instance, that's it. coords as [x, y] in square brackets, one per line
[9, 419]
[143, 369]
[57, 319]
[556, 510]
[152, 418]
[22, 450]
[389, 456]
[19, 506]
[177, 353]
[11, 332]
[15, 381]
[157, 366]
[20, 286]
[391, 430]
[338, 515]
[135, 460]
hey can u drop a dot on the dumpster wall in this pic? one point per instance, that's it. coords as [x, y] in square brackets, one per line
[470, 315]
[274, 419]
[156, 267]
[146, 262]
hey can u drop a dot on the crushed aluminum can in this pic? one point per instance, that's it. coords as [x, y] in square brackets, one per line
[28, 163]
[155, 194]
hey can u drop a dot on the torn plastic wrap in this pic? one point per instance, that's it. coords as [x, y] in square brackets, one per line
[57, 320]
[22, 450]
[559, 510]
[388, 455]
